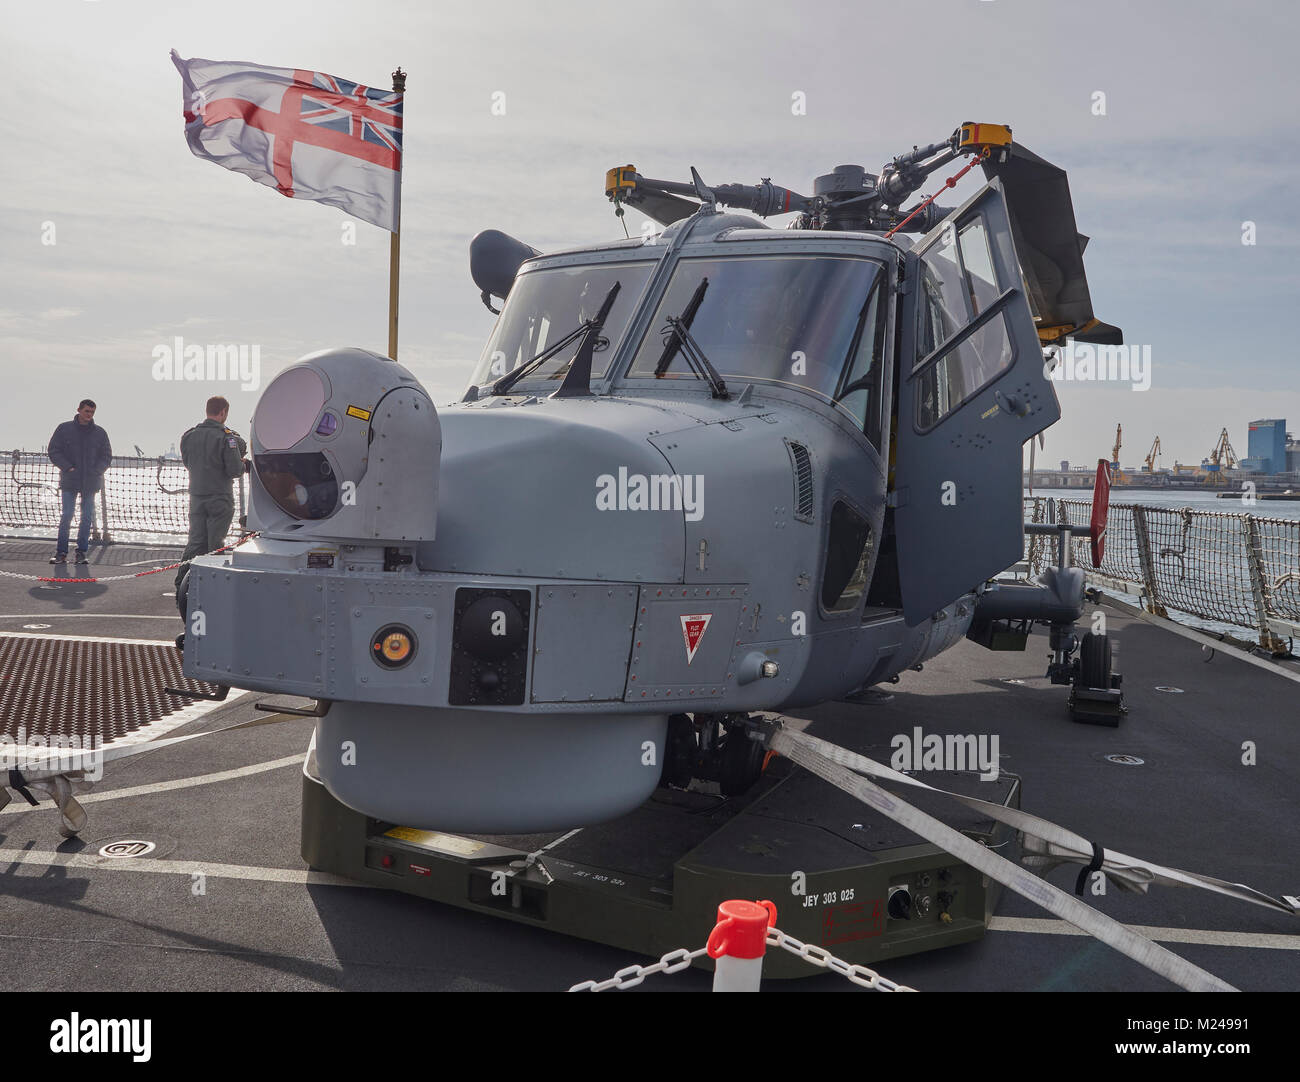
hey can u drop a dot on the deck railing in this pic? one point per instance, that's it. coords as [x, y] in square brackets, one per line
[1236, 569]
[138, 496]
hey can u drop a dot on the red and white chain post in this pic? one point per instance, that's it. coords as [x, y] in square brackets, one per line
[737, 944]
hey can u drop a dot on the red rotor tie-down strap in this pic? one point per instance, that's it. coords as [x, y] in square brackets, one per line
[1100, 512]
[951, 182]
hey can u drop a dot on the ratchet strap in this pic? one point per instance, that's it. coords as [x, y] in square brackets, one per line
[1047, 845]
[808, 752]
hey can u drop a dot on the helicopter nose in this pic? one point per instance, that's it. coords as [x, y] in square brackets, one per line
[522, 488]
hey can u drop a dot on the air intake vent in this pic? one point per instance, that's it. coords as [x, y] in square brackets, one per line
[803, 481]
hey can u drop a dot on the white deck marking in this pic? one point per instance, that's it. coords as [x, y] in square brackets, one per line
[85, 616]
[88, 861]
[167, 786]
[89, 638]
[1208, 936]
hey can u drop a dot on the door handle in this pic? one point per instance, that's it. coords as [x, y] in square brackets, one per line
[1012, 403]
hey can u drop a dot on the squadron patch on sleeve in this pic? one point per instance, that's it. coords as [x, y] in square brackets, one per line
[230, 441]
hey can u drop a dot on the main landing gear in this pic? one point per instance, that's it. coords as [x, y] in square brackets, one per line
[712, 747]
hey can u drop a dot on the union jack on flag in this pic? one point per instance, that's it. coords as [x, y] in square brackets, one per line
[307, 134]
[336, 107]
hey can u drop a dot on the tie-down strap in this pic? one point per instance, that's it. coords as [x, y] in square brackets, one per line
[811, 753]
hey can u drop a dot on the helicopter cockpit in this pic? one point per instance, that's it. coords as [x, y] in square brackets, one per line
[808, 321]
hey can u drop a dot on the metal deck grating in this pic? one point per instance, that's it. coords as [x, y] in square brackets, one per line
[95, 691]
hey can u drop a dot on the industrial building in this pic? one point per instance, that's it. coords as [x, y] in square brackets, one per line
[1266, 447]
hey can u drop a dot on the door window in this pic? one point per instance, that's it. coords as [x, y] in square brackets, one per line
[958, 287]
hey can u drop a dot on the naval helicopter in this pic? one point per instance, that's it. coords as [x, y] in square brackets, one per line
[713, 470]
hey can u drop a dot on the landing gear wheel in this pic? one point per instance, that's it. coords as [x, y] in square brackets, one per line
[742, 763]
[680, 750]
[1094, 661]
[1095, 695]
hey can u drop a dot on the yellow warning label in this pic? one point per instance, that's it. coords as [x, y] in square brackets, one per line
[431, 839]
[359, 413]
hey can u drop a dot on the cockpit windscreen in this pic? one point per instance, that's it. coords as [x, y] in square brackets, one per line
[795, 320]
[549, 303]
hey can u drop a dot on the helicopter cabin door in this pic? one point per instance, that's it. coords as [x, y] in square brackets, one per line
[971, 391]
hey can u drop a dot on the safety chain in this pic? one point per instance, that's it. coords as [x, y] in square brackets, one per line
[676, 961]
[821, 957]
[631, 976]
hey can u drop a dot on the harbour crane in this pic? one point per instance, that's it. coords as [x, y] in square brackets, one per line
[1115, 473]
[1222, 457]
[1150, 462]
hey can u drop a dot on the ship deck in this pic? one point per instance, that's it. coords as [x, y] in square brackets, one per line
[225, 902]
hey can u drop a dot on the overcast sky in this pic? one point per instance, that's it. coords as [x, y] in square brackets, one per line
[1198, 136]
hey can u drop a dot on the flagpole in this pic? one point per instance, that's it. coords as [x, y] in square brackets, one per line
[395, 238]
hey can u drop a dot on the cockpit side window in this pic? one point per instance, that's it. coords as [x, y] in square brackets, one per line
[546, 304]
[792, 320]
[957, 285]
[860, 387]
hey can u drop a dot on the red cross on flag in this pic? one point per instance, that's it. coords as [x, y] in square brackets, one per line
[304, 133]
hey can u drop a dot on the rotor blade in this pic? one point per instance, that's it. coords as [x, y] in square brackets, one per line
[663, 208]
[1048, 242]
[1099, 334]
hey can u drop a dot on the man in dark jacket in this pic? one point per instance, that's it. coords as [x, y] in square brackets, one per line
[81, 450]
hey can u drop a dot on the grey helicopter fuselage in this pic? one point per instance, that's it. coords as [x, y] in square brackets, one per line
[760, 474]
[505, 600]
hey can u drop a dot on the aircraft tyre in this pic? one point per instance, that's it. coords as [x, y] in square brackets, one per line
[1094, 661]
[679, 755]
[742, 763]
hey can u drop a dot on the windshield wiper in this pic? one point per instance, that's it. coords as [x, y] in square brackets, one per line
[588, 330]
[679, 338]
[577, 381]
[507, 381]
[854, 345]
[672, 342]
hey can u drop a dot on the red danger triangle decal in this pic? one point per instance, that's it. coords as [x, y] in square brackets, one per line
[693, 631]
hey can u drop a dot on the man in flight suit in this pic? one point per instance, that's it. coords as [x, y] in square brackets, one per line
[214, 455]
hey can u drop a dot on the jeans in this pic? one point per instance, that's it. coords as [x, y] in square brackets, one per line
[65, 521]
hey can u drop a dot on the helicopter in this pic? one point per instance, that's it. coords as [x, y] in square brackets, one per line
[709, 471]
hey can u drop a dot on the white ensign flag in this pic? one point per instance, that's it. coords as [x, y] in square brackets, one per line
[306, 134]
